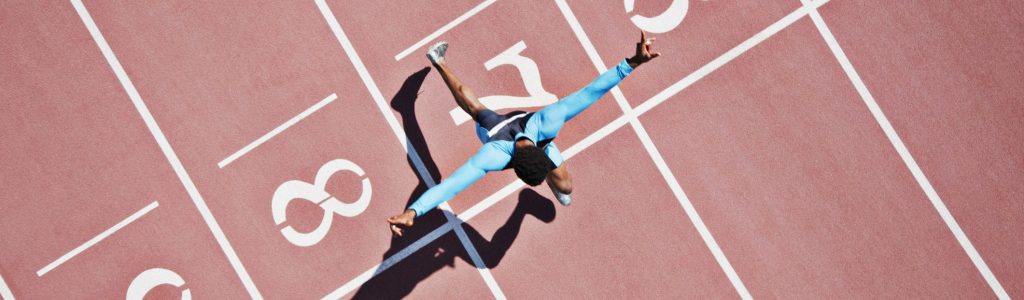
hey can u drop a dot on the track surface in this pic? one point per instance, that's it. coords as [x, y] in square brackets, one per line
[779, 149]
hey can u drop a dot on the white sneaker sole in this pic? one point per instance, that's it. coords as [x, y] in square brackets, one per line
[437, 52]
[564, 199]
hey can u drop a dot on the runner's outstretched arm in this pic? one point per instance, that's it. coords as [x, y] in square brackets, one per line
[572, 105]
[488, 158]
[555, 115]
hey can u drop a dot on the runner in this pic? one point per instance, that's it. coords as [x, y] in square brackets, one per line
[519, 141]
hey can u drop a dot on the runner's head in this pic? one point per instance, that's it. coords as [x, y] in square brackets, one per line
[531, 164]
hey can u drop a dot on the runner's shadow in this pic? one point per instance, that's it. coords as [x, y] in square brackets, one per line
[399, 279]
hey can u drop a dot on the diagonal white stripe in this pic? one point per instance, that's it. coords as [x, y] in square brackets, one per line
[5, 291]
[445, 28]
[494, 130]
[93, 241]
[278, 130]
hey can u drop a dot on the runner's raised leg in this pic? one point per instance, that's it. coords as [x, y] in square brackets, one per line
[464, 96]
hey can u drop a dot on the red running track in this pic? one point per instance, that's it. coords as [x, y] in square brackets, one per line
[778, 149]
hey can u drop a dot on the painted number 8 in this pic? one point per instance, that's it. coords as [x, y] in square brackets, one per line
[315, 193]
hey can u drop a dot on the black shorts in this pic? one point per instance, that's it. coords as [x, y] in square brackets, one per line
[487, 120]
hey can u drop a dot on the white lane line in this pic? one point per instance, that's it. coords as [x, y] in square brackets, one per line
[659, 161]
[279, 129]
[485, 272]
[691, 212]
[382, 105]
[92, 242]
[5, 291]
[723, 59]
[364, 74]
[904, 153]
[444, 28]
[165, 147]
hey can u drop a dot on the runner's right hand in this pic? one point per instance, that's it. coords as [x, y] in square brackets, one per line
[399, 222]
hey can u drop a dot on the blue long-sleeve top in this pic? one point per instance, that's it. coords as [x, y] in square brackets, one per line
[541, 126]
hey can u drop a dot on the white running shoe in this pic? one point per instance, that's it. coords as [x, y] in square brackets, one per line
[437, 52]
[564, 199]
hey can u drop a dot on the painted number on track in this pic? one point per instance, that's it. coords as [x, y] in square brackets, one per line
[531, 79]
[149, 279]
[315, 193]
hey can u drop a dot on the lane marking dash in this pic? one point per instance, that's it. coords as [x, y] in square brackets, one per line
[93, 241]
[444, 29]
[276, 131]
[5, 291]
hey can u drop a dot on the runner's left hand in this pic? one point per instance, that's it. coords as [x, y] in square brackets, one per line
[643, 51]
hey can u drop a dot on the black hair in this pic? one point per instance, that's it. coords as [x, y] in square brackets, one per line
[531, 164]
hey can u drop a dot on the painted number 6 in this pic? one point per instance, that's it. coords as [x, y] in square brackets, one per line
[149, 279]
[315, 193]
